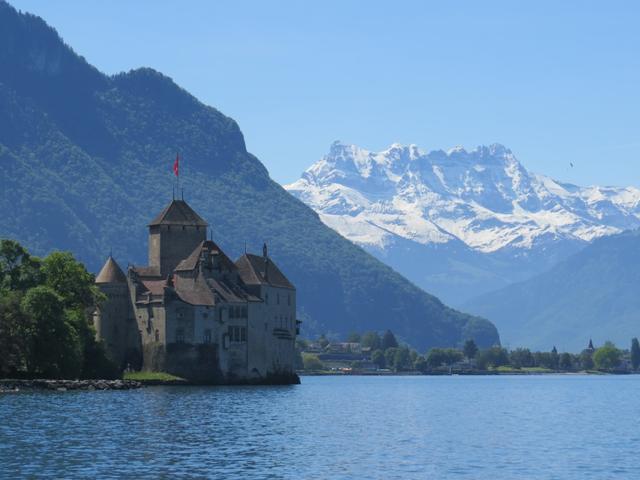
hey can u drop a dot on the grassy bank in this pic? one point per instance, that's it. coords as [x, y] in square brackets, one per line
[152, 377]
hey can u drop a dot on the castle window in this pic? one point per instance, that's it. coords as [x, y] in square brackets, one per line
[180, 335]
[237, 334]
[207, 336]
[157, 336]
[266, 298]
[244, 312]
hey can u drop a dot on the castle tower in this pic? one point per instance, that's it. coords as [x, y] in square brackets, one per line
[110, 318]
[173, 235]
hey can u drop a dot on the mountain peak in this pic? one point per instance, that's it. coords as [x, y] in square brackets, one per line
[483, 197]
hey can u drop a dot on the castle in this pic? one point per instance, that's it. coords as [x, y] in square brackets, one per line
[194, 313]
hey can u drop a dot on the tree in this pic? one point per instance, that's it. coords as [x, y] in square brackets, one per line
[389, 340]
[414, 355]
[371, 340]
[402, 360]
[586, 360]
[607, 357]
[635, 353]
[353, 337]
[56, 349]
[421, 364]
[18, 269]
[311, 362]
[14, 335]
[438, 357]
[521, 358]
[566, 362]
[377, 357]
[435, 358]
[492, 357]
[390, 356]
[70, 279]
[470, 349]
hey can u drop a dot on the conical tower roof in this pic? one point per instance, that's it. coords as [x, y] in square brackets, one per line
[111, 273]
[178, 212]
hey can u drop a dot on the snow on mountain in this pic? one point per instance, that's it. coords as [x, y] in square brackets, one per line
[483, 197]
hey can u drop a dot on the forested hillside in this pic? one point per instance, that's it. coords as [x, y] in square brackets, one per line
[592, 294]
[85, 162]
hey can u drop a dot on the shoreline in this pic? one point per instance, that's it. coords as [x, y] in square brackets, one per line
[17, 385]
[487, 373]
[59, 385]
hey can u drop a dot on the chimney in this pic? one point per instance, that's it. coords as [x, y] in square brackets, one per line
[266, 261]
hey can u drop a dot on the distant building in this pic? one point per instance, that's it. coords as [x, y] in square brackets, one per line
[194, 313]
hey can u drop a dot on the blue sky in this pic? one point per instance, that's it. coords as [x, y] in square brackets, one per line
[554, 81]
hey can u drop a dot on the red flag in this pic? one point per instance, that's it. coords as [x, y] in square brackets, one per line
[176, 166]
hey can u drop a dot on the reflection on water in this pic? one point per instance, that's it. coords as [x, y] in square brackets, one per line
[332, 427]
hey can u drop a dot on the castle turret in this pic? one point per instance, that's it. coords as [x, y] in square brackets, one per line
[173, 235]
[113, 318]
[110, 318]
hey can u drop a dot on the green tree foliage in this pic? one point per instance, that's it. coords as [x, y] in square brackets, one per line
[353, 337]
[470, 349]
[421, 364]
[438, 357]
[586, 360]
[377, 357]
[492, 357]
[414, 355]
[371, 340]
[70, 279]
[55, 349]
[389, 340]
[390, 356]
[566, 361]
[18, 270]
[521, 358]
[635, 353]
[607, 357]
[402, 360]
[44, 324]
[311, 362]
[14, 335]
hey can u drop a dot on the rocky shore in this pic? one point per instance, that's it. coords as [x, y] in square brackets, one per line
[65, 385]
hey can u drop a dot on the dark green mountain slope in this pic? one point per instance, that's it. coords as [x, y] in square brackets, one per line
[85, 162]
[594, 293]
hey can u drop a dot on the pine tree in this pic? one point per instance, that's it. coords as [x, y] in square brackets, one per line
[470, 349]
[389, 340]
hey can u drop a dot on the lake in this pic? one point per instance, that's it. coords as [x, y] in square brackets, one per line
[493, 427]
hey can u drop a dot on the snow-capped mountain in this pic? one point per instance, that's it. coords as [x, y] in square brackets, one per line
[478, 211]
